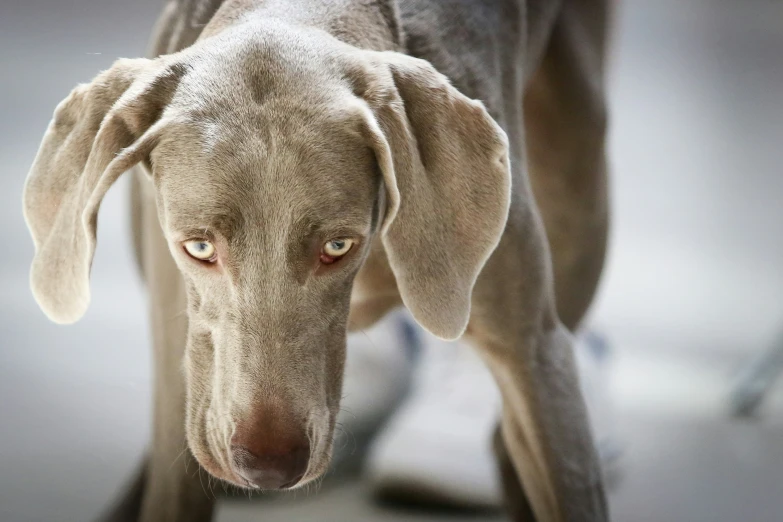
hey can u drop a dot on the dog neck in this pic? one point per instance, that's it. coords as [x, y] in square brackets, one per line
[367, 24]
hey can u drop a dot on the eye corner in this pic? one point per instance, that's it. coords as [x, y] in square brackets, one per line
[328, 260]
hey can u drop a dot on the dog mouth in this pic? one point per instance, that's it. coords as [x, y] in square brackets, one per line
[235, 478]
[242, 469]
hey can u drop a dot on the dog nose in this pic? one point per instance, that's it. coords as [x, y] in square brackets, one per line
[269, 450]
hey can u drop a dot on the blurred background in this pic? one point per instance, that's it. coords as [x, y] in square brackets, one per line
[692, 292]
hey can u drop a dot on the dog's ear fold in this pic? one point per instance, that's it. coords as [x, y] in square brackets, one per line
[445, 167]
[98, 132]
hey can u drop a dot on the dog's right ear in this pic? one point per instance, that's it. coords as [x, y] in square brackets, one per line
[98, 132]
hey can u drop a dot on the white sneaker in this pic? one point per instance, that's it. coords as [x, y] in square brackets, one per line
[437, 447]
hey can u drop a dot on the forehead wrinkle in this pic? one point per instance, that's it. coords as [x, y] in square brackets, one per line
[278, 169]
[269, 207]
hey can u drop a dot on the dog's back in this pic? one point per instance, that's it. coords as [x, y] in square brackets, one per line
[479, 44]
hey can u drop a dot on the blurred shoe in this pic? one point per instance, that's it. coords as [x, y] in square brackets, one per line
[436, 449]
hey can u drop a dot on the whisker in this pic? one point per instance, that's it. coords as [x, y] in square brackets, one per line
[177, 315]
[201, 482]
[178, 457]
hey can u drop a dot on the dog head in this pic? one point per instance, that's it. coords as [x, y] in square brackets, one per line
[276, 160]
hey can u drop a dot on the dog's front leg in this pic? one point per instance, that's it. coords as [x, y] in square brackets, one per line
[544, 423]
[177, 490]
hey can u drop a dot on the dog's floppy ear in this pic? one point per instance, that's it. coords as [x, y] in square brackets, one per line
[445, 167]
[98, 132]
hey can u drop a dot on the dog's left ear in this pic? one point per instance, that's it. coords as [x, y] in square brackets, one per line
[445, 168]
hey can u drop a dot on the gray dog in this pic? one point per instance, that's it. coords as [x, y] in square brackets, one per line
[304, 166]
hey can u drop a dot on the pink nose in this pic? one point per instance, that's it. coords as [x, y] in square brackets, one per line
[269, 452]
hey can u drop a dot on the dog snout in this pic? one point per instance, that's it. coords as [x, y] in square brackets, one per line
[270, 453]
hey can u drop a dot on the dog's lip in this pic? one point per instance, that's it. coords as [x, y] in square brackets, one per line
[290, 486]
[228, 476]
[211, 466]
[237, 480]
[285, 487]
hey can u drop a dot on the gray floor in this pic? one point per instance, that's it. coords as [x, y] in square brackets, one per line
[692, 288]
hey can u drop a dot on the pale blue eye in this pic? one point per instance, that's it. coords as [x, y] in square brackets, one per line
[202, 250]
[338, 247]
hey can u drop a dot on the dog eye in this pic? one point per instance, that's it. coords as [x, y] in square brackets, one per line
[201, 250]
[334, 249]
